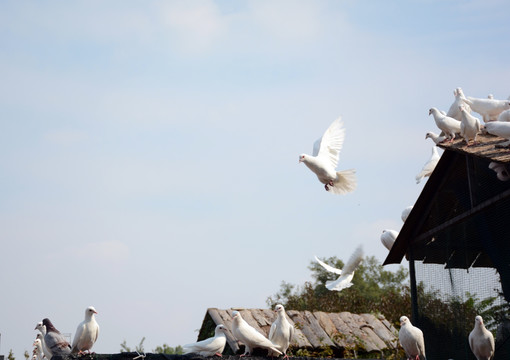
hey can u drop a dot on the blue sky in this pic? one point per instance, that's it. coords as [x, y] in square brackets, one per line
[149, 150]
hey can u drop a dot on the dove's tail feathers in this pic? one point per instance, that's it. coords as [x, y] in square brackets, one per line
[345, 182]
[339, 285]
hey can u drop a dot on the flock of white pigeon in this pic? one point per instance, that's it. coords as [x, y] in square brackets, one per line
[323, 162]
[49, 341]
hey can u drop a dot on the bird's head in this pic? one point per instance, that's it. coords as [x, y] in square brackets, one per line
[37, 342]
[220, 328]
[39, 326]
[49, 326]
[39, 336]
[302, 157]
[431, 110]
[478, 320]
[90, 311]
[236, 314]
[404, 320]
[279, 308]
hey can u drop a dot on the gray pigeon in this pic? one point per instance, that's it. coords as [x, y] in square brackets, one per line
[481, 340]
[411, 339]
[250, 337]
[55, 342]
[282, 331]
[211, 346]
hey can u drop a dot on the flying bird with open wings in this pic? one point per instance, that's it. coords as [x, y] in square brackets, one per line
[325, 158]
[346, 273]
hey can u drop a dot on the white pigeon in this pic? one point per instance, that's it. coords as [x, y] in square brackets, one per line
[86, 332]
[454, 112]
[488, 108]
[42, 332]
[405, 213]
[501, 171]
[429, 166]
[446, 124]
[481, 340]
[504, 116]
[437, 139]
[346, 273]
[38, 349]
[281, 332]
[249, 336]
[211, 346]
[324, 161]
[498, 128]
[469, 125]
[388, 238]
[411, 339]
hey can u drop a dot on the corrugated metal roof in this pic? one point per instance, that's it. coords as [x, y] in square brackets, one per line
[313, 330]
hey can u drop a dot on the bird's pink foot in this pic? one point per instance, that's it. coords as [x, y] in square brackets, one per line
[218, 354]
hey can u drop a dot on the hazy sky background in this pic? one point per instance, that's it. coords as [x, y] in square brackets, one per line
[149, 150]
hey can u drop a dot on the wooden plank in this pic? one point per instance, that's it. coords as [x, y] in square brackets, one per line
[302, 323]
[300, 339]
[329, 327]
[318, 330]
[385, 334]
[368, 329]
[361, 337]
[343, 329]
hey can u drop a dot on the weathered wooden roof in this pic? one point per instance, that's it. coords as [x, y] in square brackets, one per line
[488, 147]
[313, 330]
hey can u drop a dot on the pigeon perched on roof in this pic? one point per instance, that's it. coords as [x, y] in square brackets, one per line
[481, 340]
[411, 339]
[446, 124]
[211, 346]
[55, 342]
[388, 238]
[454, 112]
[498, 128]
[281, 332]
[346, 273]
[429, 166]
[469, 125]
[42, 332]
[504, 116]
[86, 332]
[324, 161]
[405, 213]
[250, 337]
[488, 108]
[437, 139]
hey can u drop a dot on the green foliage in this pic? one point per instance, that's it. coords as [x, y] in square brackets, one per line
[11, 355]
[165, 349]
[139, 348]
[375, 290]
[26, 355]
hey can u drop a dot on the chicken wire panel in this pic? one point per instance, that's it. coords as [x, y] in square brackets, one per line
[448, 301]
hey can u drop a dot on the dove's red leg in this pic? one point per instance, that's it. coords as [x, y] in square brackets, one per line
[218, 354]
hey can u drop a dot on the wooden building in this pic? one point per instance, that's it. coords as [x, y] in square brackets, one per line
[461, 220]
[314, 331]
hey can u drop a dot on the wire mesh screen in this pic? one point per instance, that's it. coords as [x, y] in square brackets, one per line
[449, 300]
